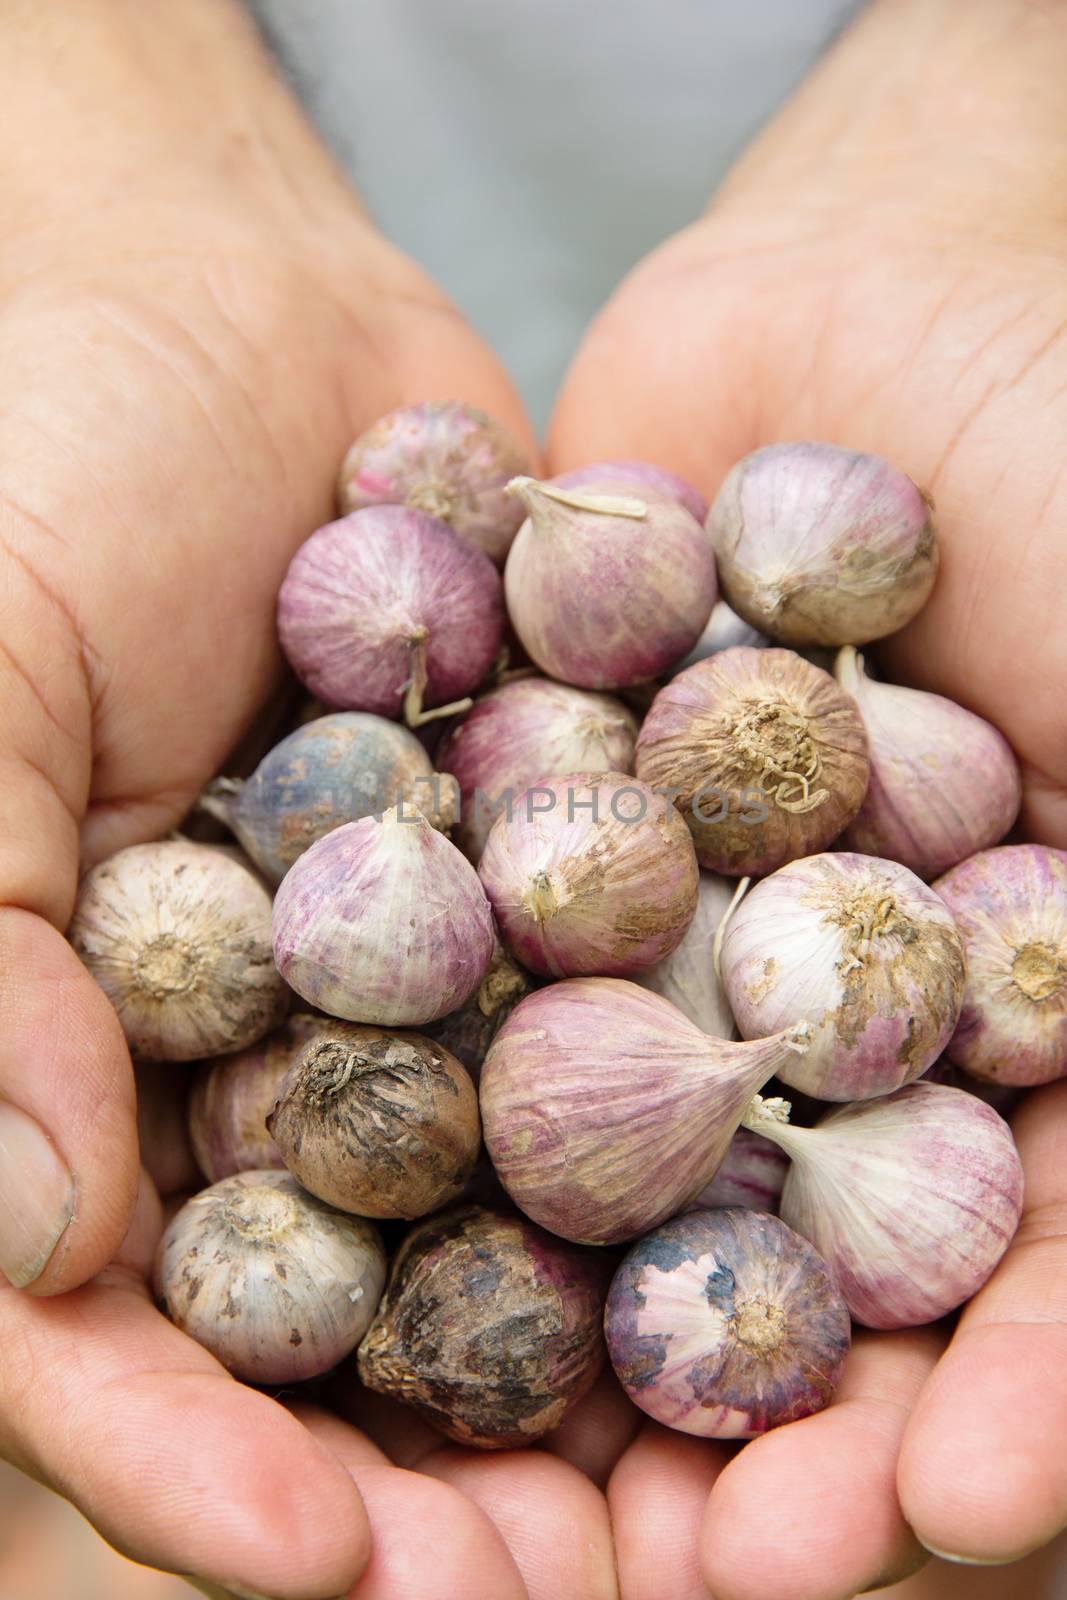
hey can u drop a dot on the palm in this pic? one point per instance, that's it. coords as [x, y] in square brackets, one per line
[789, 315]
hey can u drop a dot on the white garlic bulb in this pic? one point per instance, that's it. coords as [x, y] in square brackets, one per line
[277, 1285]
[864, 951]
[178, 937]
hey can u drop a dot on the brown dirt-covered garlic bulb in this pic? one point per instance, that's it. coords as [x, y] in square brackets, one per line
[178, 937]
[490, 1327]
[278, 1286]
[376, 1123]
[766, 755]
[232, 1097]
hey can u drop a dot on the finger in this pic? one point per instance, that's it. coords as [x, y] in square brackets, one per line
[402, 1436]
[163, 1125]
[831, 1480]
[595, 1434]
[68, 1140]
[173, 1462]
[429, 1541]
[551, 1517]
[657, 1495]
[983, 1470]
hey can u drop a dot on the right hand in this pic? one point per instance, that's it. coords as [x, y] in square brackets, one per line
[196, 320]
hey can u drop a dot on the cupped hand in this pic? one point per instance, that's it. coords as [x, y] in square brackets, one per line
[196, 319]
[884, 270]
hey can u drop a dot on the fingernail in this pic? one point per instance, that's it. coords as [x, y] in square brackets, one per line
[36, 1197]
[968, 1561]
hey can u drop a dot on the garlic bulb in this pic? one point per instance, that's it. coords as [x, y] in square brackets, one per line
[1010, 905]
[912, 1200]
[725, 630]
[820, 545]
[381, 1124]
[178, 937]
[861, 949]
[766, 756]
[444, 458]
[276, 1285]
[333, 770]
[605, 1110]
[687, 977]
[525, 732]
[590, 874]
[232, 1096]
[383, 922]
[489, 1327]
[751, 1175]
[389, 611]
[606, 590]
[944, 783]
[724, 1324]
[635, 476]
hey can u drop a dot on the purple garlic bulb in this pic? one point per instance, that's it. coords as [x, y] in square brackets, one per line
[820, 545]
[1010, 905]
[751, 1175]
[489, 1327]
[726, 1323]
[607, 590]
[445, 458]
[389, 611]
[334, 770]
[636, 475]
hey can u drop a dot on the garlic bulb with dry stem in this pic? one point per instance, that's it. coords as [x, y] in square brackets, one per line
[635, 476]
[864, 951]
[593, 873]
[278, 1286]
[333, 770]
[530, 731]
[605, 1110]
[687, 977]
[444, 458]
[383, 922]
[607, 590]
[726, 1323]
[820, 545]
[178, 937]
[489, 1327]
[944, 783]
[912, 1200]
[380, 1124]
[1010, 905]
[232, 1096]
[765, 755]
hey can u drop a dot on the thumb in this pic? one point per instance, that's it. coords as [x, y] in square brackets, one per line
[68, 1142]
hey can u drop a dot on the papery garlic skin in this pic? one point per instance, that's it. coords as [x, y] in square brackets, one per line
[751, 1175]
[276, 1285]
[388, 610]
[383, 922]
[944, 783]
[530, 731]
[765, 755]
[600, 879]
[603, 599]
[724, 1324]
[376, 1123]
[605, 1110]
[178, 937]
[687, 977]
[489, 1327]
[445, 458]
[635, 475]
[232, 1097]
[861, 949]
[912, 1200]
[330, 771]
[1010, 905]
[818, 545]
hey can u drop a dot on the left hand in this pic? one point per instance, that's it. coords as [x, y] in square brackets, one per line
[884, 269]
